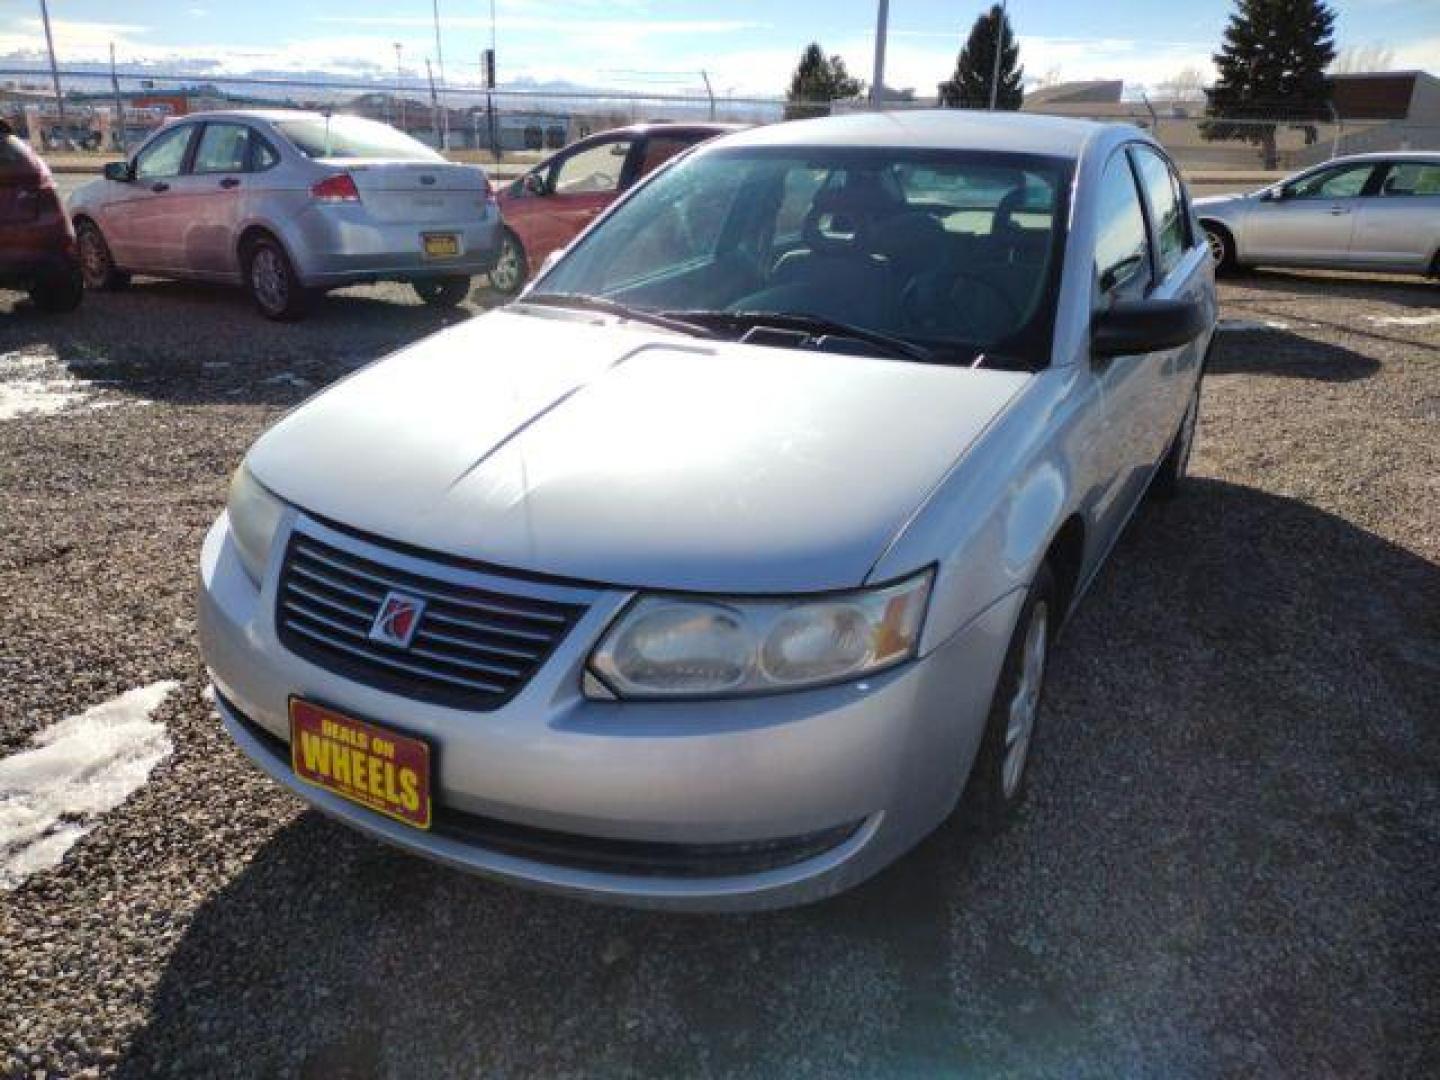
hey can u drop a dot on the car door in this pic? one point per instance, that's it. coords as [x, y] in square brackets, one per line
[213, 197]
[1397, 226]
[1132, 387]
[139, 221]
[580, 184]
[1310, 220]
[1182, 272]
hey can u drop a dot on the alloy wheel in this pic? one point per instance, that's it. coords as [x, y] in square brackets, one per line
[1216, 243]
[506, 277]
[269, 280]
[1025, 703]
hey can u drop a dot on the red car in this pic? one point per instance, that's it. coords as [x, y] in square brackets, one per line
[37, 241]
[552, 204]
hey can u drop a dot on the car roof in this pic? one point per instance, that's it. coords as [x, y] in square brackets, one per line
[1386, 155]
[933, 129]
[262, 114]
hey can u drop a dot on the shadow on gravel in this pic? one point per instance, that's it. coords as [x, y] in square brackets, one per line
[187, 342]
[1284, 353]
[1295, 286]
[1229, 846]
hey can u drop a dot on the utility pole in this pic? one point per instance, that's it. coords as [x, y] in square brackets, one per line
[119, 106]
[709, 93]
[995, 68]
[399, 88]
[434, 103]
[877, 82]
[444, 130]
[54, 68]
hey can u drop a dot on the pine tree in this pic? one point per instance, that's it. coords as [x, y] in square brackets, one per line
[969, 87]
[1271, 67]
[819, 80]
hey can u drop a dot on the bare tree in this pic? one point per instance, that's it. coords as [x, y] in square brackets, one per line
[1372, 56]
[1185, 85]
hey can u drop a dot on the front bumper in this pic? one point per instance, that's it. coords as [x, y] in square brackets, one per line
[844, 778]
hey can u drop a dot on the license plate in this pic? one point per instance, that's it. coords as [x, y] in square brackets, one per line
[441, 245]
[373, 766]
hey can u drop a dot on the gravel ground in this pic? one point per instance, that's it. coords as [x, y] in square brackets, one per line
[1230, 864]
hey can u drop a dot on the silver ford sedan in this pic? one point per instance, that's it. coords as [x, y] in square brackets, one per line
[722, 566]
[1378, 212]
[289, 204]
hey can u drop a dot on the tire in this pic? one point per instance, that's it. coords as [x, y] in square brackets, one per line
[1169, 479]
[272, 282]
[97, 266]
[512, 268]
[1222, 247]
[59, 292]
[445, 292]
[999, 778]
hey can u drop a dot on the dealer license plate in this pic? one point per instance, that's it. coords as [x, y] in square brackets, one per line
[441, 245]
[371, 765]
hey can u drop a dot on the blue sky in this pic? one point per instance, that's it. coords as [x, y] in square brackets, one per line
[747, 47]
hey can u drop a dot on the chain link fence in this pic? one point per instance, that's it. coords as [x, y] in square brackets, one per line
[513, 126]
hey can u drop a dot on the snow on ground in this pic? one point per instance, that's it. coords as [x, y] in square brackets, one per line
[80, 768]
[34, 383]
[1246, 325]
[1406, 320]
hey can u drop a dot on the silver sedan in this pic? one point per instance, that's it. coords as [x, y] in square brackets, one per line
[723, 565]
[289, 204]
[1367, 212]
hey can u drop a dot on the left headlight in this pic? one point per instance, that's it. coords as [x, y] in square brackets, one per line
[254, 517]
[669, 647]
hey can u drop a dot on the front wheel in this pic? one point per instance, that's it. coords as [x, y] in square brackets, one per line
[1222, 247]
[442, 292]
[998, 778]
[59, 292]
[511, 266]
[273, 283]
[97, 265]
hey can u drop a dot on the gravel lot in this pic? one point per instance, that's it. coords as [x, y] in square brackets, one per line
[1230, 866]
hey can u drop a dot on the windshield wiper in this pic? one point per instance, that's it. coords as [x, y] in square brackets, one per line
[585, 302]
[816, 325]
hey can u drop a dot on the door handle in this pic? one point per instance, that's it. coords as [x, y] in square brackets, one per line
[230, 182]
[159, 186]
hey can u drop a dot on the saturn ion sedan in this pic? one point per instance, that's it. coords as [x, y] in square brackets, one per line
[724, 565]
[289, 204]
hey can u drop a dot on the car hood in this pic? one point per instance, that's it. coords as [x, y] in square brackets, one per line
[576, 446]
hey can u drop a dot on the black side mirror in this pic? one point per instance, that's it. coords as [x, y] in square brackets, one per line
[119, 171]
[534, 184]
[1133, 327]
[1273, 194]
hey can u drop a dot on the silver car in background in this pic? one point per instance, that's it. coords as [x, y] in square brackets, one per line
[713, 571]
[1378, 212]
[290, 204]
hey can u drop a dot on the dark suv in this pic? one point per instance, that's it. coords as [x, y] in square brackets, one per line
[37, 242]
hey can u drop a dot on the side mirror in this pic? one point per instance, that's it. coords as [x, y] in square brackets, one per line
[534, 184]
[1133, 327]
[1273, 194]
[119, 171]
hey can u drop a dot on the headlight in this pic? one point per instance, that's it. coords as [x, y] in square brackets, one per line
[693, 647]
[254, 517]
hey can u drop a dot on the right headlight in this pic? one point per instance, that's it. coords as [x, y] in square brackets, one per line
[671, 647]
[254, 518]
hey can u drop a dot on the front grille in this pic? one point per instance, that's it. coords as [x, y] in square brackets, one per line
[474, 647]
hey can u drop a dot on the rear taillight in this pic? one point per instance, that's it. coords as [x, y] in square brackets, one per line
[338, 188]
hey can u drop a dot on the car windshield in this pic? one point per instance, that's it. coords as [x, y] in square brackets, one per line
[353, 137]
[955, 252]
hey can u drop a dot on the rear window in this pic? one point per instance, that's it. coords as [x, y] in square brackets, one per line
[352, 137]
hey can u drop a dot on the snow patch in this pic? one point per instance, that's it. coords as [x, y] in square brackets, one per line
[1405, 320]
[1251, 325]
[33, 383]
[80, 768]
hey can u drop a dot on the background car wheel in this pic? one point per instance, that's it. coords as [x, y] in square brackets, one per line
[1170, 477]
[97, 266]
[1222, 247]
[997, 783]
[59, 292]
[511, 268]
[442, 292]
[272, 281]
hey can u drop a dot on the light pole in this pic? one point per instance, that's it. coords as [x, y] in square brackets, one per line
[399, 89]
[444, 131]
[877, 83]
[54, 68]
[999, 47]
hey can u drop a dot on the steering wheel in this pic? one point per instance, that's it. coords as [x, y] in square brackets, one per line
[928, 301]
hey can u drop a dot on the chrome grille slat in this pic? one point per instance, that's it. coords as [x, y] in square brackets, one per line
[420, 590]
[475, 646]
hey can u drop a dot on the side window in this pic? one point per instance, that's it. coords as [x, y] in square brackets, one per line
[262, 155]
[165, 155]
[1412, 178]
[1344, 182]
[594, 170]
[1122, 251]
[224, 148]
[1167, 212]
[660, 149]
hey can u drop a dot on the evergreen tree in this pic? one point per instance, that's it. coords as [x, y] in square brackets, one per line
[1271, 68]
[969, 87]
[819, 80]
